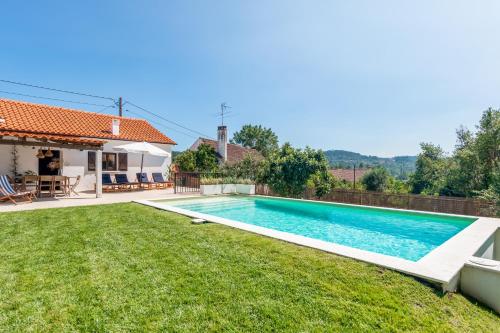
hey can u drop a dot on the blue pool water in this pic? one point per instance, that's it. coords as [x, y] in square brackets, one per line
[400, 234]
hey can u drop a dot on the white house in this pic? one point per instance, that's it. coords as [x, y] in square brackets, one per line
[77, 141]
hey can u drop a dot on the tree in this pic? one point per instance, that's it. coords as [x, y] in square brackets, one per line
[257, 137]
[288, 171]
[186, 161]
[377, 179]
[476, 157]
[204, 159]
[430, 170]
[248, 168]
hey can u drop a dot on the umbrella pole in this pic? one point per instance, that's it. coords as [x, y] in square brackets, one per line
[142, 162]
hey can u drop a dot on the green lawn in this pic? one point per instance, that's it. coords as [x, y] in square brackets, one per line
[128, 267]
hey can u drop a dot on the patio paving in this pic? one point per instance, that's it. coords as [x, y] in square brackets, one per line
[88, 198]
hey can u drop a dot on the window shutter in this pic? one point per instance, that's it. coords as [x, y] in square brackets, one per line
[91, 160]
[122, 161]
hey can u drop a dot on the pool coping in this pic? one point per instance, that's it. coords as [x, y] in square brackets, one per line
[442, 265]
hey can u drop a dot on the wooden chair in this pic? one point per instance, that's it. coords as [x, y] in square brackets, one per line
[60, 185]
[46, 186]
[73, 186]
[30, 184]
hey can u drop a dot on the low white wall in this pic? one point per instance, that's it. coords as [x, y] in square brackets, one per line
[482, 283]
[227, 189]
[496, 246]
[75, 162]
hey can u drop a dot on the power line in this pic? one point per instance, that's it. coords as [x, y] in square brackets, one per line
[163, 125]
[169, 121]
[50, 98]
[54, 89]
[109, 106]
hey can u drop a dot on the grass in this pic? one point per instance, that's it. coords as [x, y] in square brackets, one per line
[128, 267]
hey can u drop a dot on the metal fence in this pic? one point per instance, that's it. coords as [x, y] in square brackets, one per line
[186, 182]
[451, 205]
[189, 182]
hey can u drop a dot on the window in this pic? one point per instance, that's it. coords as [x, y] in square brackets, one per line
[91, 161]
[122, 161]
[108, 161]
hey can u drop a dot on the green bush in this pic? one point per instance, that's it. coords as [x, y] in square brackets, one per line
[376, 179]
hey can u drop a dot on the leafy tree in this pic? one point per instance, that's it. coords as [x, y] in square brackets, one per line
[430, 170]
[248, 168]
[288, 171]
[257, 137]
[186, 161]
[204, 159]
[377, 179]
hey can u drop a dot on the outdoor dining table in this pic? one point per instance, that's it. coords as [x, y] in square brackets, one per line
[47, 185]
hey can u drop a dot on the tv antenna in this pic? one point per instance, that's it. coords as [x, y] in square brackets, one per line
[223, 111]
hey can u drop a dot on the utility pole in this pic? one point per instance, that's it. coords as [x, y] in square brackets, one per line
[120, 107]
[354, 170]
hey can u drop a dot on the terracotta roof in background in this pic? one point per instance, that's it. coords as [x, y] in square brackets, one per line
[348, 174]
[235, 153]
[45, 119]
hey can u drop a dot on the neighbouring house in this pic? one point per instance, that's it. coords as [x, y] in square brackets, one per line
[48, 140]
[349, 175]
[226, 152]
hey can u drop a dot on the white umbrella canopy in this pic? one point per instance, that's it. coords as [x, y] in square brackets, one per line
[143, 148]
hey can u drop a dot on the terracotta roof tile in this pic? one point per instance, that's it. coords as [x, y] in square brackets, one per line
[44, 119]
[235, 153]
[55, 138]
[348, 174]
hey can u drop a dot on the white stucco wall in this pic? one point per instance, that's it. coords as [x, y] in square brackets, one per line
[75, 162]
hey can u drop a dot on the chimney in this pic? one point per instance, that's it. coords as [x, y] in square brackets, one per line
[222, 142]
[115, 127]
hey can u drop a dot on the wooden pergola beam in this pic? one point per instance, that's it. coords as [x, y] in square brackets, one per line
[24, 142]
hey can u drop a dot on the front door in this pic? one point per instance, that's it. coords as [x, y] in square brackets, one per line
[50, 166]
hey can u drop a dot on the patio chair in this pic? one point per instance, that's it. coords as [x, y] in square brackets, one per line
[160, 181]
[60, 185]
[142, 178]
[46, 186]
[30, 184]
[72, 187]
[8, 193]
[122, 181]
[107, 183]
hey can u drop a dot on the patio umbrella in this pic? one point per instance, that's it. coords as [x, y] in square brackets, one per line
[143, 148]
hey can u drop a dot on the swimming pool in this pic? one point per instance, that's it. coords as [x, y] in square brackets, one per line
[402, 234]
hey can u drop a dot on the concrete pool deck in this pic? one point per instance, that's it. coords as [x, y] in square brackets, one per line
[88, 198]
[442, 265]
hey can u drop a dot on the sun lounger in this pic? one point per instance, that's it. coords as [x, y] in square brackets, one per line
[8, 193]
[107, 183]
[143, 179]
[160, 181]
[122, 181]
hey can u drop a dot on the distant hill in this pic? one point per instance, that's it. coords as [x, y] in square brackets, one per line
[398, 166]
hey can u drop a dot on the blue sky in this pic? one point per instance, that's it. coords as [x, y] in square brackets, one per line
[376, 77]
